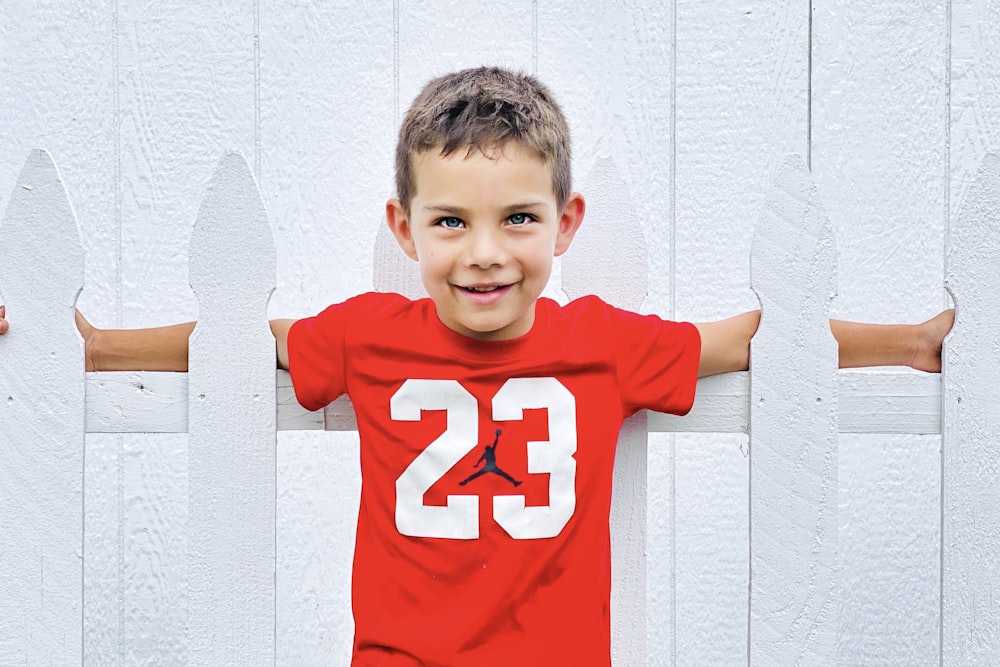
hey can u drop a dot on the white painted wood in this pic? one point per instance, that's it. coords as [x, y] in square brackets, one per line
[41, 412]
[327, 86]
[971, 455]
[793, 417]
[56, 83]
[879, 149]
[742, 102]
[185, 91]
[231, 451]
[902, 402]
[608, 258]
[970, 618]
[974, 91]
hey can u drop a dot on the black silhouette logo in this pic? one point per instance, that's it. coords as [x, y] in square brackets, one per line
[489, 459]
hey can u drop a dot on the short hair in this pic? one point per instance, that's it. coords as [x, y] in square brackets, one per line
[483, 109]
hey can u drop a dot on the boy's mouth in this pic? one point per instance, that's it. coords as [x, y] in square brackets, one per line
[485, 293]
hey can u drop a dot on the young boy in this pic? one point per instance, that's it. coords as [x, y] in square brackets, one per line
[458, 564]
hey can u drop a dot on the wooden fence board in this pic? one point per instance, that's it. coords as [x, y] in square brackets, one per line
[970, 589]
[793, 419]
[231, 454]
[869, 402]
[41, 424]
[608, 258]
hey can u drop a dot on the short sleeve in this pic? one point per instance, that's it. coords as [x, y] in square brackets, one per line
[657, 362]
[316, 356]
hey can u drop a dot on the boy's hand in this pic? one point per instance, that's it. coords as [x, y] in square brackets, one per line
[928, 340]
[88, 332]
[4, 324]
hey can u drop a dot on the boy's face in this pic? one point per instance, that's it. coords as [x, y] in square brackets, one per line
[485, 230]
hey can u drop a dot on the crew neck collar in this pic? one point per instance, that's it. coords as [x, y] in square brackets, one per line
[489, 351]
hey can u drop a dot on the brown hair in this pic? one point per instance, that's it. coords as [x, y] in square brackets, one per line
[483, 109]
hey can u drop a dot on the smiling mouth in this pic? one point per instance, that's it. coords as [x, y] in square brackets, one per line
[484, 289]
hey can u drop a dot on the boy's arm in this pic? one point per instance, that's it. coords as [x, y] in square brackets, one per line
[154, 349]
[725, 344]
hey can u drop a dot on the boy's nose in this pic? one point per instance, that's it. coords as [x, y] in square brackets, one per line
[485, 249]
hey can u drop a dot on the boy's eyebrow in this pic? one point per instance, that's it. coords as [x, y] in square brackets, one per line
[444, 208]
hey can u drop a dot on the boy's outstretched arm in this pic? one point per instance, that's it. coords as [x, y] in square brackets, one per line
[153, 349]
[725, 344]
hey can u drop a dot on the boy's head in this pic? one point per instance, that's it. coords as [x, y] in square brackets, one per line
[484, 109]
[484, 202]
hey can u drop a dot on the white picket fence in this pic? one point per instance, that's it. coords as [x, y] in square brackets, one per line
[793, 404]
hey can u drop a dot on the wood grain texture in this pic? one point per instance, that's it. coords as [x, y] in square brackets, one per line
[56, 83]
[879, 148]
[327, 129]
[608, 258]
[903, 402]
[185, 94]
[970, 618]
[41, 479]
[971, 504]
[742, 103]
[975, 91]
[794, 585]
[231, 449]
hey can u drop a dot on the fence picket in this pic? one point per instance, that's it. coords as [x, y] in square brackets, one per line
[970, 590]
[41, 422]
[608, 258]
[231, 406]
[793, 429]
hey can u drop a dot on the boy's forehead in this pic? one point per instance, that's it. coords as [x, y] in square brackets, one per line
[511, 166]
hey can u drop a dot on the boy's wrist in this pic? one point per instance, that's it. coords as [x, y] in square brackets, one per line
[913, 336]
[93, 345]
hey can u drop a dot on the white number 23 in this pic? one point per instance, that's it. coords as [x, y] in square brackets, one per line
[459, 518]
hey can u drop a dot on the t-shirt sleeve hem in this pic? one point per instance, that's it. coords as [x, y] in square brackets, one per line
[307, 402]
[689, 370]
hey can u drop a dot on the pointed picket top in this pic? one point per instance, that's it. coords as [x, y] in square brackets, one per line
[42, 423]
[231, 426]
[40, 236]
[232, 245]
[793, 430]
[971, 430]
[394, 271]
[608, 256]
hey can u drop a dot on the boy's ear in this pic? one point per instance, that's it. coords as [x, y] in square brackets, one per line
[569, 222]
[399, 225]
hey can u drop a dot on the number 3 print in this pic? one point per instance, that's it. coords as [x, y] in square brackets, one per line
[459, 519]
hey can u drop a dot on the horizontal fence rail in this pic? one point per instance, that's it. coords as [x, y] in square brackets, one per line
[792, 404]
[868, 402]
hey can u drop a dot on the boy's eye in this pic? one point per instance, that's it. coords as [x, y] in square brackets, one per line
[520, 218]
[450, 223]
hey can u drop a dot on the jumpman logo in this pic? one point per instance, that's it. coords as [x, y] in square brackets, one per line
[489, 458]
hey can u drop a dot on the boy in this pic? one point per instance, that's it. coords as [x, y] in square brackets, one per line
[454, 566]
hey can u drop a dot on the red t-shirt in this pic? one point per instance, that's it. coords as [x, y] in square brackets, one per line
[486, 471]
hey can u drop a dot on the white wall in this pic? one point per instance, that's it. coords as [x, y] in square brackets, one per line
[695, 101]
